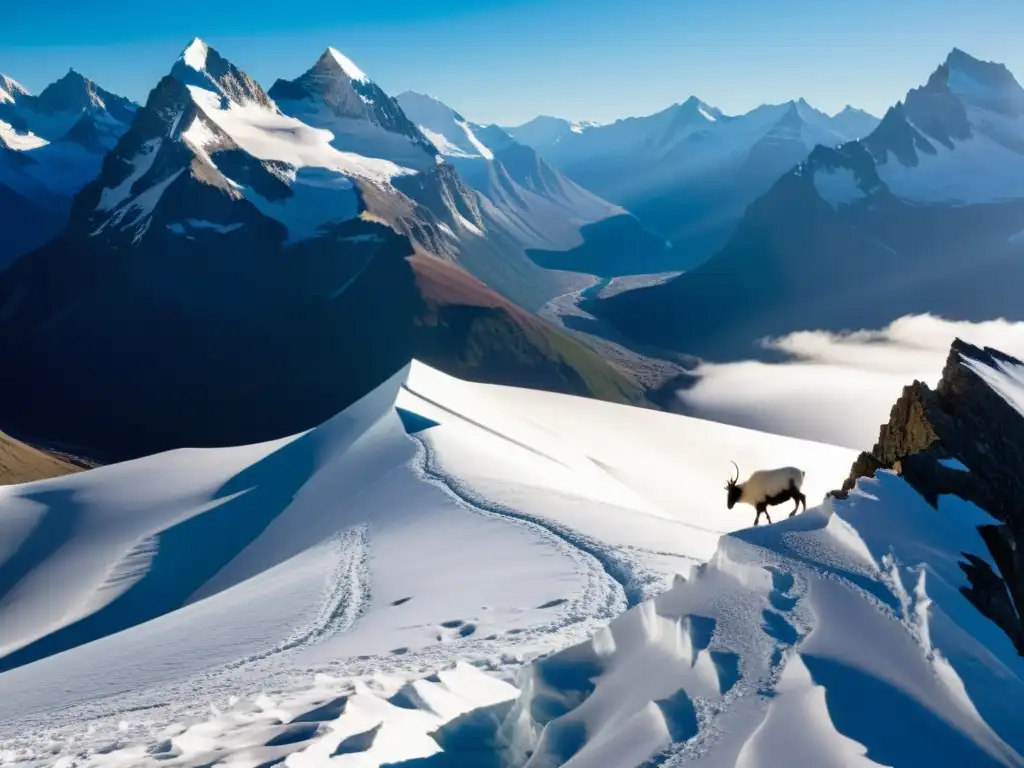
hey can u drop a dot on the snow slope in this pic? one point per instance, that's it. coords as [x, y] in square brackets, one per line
[433, 521]
[429, 540]
[446, 129]
[837, 638]
[269, 135]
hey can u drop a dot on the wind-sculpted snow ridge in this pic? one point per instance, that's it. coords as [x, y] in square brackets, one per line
[433, 522]
[377, 722]
[837, 638]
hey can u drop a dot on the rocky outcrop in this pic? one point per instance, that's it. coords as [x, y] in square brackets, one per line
[966, 420]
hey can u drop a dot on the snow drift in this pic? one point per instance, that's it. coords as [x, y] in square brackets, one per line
[432, 521]
[422, 545]
[837, 638]
[367, 593]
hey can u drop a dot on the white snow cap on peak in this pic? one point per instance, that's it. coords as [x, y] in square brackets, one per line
[347, 65]
[9, 88]
[195, 54]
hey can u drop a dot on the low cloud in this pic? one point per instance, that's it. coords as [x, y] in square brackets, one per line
[838, 388]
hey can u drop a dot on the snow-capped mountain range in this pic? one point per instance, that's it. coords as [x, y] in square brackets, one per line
[227, 250]
[51, 145]
[528, 200]
[332, 117]
[690, 170]
[924, 214]
[352, 557]
[545, 131]
[509, 174]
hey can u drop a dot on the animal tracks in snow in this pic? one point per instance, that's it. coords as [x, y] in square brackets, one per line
[346, 597]
[612, 583]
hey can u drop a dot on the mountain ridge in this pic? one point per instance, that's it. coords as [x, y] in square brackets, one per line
[527, 198]
[897, 212]
[689, 171]
[51, 146]
[218, 265]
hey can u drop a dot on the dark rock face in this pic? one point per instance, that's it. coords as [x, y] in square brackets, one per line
[897, 136]
[965, 419]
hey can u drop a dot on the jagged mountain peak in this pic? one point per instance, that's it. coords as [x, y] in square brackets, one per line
[195, 53]
[978, 68]
[807, 110]
[209, 136]
[849, 109]
[334, 94]
[964, 100]
[854, 123]
[62, 104]
[201, 66]
[334, 78]
[896, 135]
[976, 83]
[10, 89]
[72, 92]
[696, 107]
[334, 59]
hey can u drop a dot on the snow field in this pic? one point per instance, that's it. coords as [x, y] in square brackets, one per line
[364, 550]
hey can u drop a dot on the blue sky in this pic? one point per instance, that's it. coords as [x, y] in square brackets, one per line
[507, 60]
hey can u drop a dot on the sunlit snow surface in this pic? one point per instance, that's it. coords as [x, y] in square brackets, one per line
[17, 140]
[368, 592]
[348, 66]
[269, 135]
[195, 55]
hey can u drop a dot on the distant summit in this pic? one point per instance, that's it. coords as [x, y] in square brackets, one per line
[924, 214]
[544, 131]
[689, 171]
[51, 146]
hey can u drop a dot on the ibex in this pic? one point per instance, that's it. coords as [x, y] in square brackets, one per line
[767, 487]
